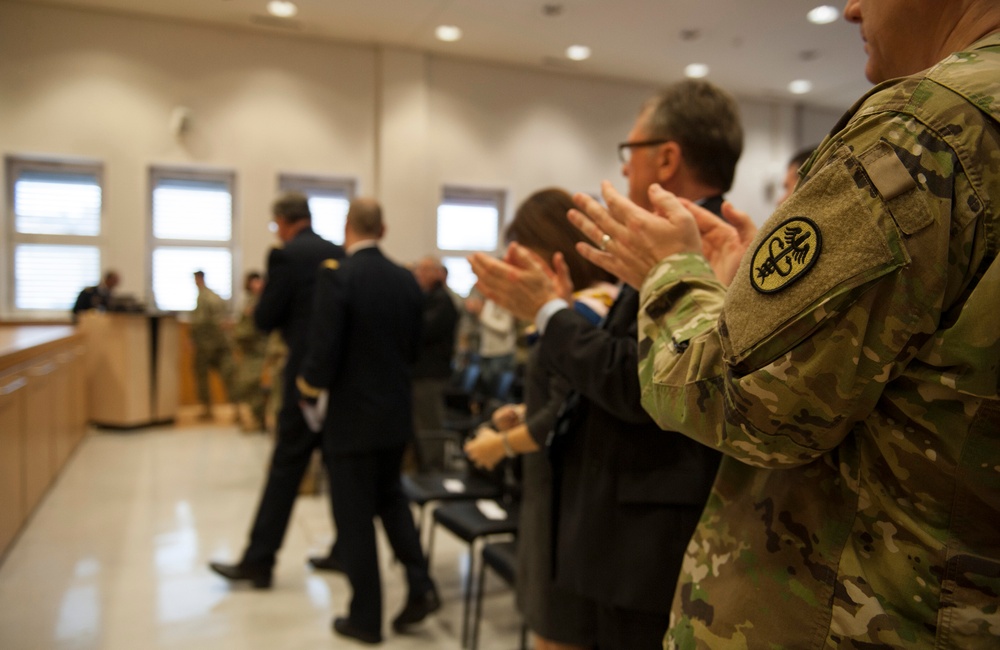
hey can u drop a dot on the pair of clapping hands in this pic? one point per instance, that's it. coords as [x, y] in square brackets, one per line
[487, 448]
[628, 242]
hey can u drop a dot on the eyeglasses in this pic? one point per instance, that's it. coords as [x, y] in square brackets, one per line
[272, 226]
[625, 148]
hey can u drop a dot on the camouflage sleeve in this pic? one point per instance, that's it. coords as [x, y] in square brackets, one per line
[828, 304]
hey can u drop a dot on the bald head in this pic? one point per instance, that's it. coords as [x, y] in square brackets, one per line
[430, 272]
[364, 220]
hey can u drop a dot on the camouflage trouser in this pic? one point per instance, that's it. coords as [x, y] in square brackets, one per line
[212, 353]
[247, 383]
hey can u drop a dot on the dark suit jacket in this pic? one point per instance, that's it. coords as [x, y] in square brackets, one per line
[363, 338]
[631, 494]
[91, 298]
[287, 300]
[437, 339]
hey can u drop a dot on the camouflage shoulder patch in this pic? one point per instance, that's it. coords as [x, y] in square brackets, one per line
[785, 255]
[331, 264]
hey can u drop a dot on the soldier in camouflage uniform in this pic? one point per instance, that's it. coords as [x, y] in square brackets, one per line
[252, 346]
[850, 374]
[211, 347]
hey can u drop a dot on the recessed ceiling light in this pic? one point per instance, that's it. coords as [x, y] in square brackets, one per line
[696, 71]
[578, 52]
[800, 86]
[282, 8]
[448, 33]
[823, 15]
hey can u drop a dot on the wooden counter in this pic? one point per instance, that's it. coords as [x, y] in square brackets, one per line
[42, 415]
[132, 368]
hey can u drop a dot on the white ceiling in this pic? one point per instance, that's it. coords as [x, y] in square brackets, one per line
[754, 47]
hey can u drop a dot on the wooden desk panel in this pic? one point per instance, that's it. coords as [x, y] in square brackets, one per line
[131, 366]
[12, 511]
[42, 418]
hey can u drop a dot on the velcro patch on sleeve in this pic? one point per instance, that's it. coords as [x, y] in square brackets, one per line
[846, 230]
[894, 183]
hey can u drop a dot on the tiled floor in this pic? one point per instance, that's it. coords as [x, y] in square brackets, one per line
[116, 557]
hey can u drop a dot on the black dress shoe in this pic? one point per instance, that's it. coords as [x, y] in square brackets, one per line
[416, 610]
[260, 576]
[343, 626]
[326, 563]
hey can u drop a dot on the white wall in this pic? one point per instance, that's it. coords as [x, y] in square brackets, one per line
[103, 86]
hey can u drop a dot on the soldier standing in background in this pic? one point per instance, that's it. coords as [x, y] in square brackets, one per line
[211, 347]
[251, 344]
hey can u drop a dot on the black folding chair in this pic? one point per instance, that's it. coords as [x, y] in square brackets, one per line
[502, 558]
[468, 521]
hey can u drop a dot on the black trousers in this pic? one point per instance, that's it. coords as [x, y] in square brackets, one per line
[629, 629]
[363, 486]
[293, 450]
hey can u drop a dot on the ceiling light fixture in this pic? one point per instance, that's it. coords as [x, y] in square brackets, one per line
[282, 8]
[696, 71]
[578, 52]
[800, 87]
[823, 15]
[448, 33]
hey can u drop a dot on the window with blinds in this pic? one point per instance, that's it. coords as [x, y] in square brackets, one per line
[468, 221]
[192, 229]
[54, 223]
[329, 199]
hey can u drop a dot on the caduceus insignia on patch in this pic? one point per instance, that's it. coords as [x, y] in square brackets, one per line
[785, 255]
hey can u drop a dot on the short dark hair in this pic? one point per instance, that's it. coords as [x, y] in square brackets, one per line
[250, 277]
[802, 156]
[199, 274]
[540, 224]
[292, 207]
[705, 121]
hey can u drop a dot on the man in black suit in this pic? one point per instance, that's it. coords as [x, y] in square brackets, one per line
[630, 495]
[364, 336]
[432, 369]
[286, 305]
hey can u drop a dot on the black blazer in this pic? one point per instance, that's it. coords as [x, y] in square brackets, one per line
[437, 339]
[631, 494]
[363, 338]
[287, 300]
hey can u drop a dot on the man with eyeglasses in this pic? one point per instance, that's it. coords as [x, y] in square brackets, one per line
[688, 140]
[630, 495]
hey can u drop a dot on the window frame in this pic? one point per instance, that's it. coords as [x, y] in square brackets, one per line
[14, 166]
[310, 183]
[481, 194]
[188, 173]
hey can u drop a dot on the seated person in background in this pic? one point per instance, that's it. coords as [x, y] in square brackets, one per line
[558, 617]
[97, 297]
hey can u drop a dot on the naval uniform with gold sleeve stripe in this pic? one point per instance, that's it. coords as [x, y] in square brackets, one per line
[364, 337]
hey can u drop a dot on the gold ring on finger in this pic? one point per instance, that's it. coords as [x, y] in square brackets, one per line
[605, 240]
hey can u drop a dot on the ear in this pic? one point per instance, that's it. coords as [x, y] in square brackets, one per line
[669, 158]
